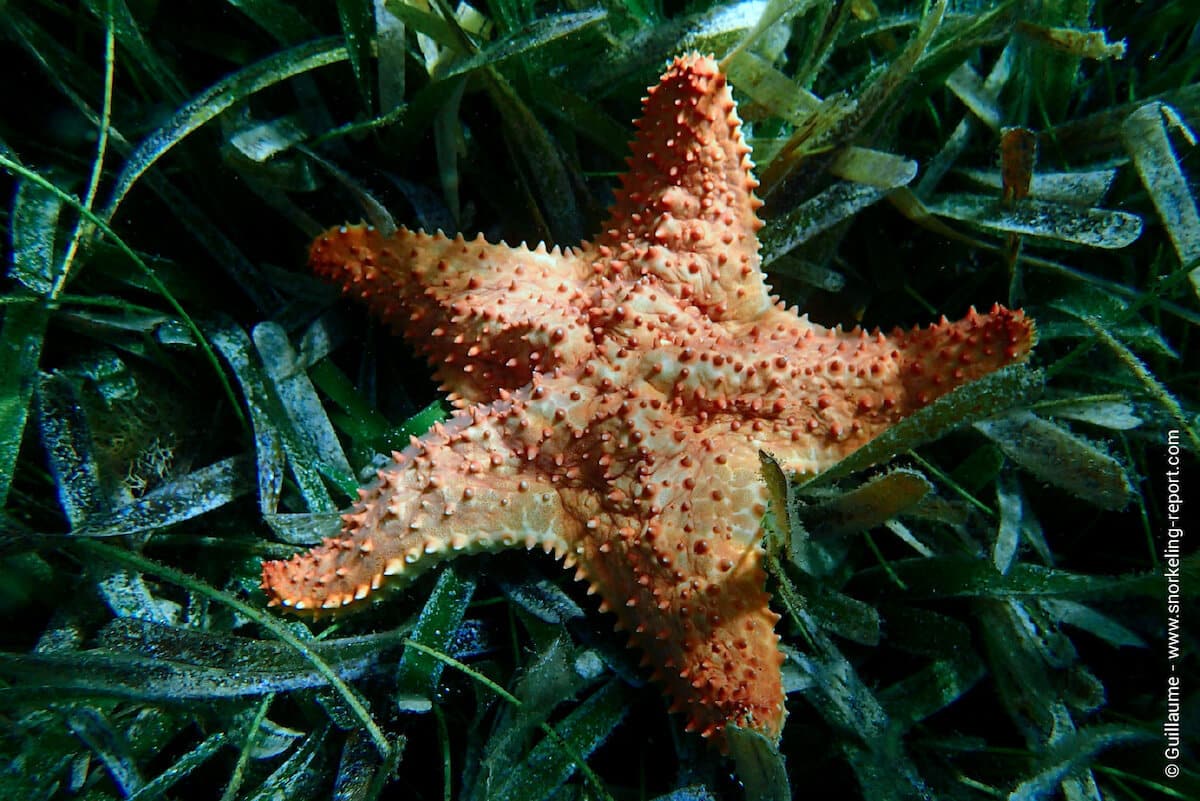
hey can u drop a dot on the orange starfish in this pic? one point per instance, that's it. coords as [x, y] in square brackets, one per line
[612, 400]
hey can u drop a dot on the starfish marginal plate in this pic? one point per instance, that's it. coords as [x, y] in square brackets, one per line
[612, 399]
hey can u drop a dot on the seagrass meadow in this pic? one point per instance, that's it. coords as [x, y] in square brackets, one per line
[992, 596]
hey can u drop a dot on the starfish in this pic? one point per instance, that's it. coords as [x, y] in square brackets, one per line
[612, 399]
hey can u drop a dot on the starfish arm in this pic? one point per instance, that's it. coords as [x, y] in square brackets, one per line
[838, 390]
[485, 315]
[947, 355]
[461, 488]
[680, 567]
[686, 210]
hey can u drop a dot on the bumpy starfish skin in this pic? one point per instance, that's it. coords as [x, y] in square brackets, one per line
[613, 398]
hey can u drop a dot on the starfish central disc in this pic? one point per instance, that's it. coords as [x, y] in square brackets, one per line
[612, 401]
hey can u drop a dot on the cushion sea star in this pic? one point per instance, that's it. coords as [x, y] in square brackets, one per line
[612, 400]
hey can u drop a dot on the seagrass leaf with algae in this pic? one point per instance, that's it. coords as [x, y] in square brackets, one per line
[837, 613]
[107, 744]
[546, 766]
[1144, 134]
[418, 675]
[961, 576]
[218, 98]
[1110, 411]
[280, 19]
[1050, 221]
[532, 37]
[1010, 504]
[849, 706]
[84, 494]
[838, 202]
[869, 505]
[760, 766]
[33, 229]
[1088, 306]
[33, 226]
[183, 498]
[276, 442]
[1067, 762]
[1033, 667]
[1098, 624]
[811, 523]
[295, 777]
[932, 688]
[140, 660]
[1058, 457]
[1077, 187]
[537, 596]
[972, 402]
[866, 177]
[300, 403]
[551, 677]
